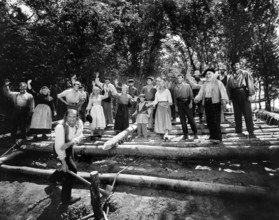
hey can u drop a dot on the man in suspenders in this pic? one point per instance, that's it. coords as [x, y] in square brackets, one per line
[67, 134]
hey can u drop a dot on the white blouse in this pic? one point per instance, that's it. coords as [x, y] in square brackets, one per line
[75, 135]
[162, 96]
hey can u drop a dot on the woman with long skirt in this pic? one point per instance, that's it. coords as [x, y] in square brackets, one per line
[124, 101]
[41, 121]
[96, 111]
[163, 101]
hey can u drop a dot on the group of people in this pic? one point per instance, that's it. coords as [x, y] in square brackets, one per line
[153, 108]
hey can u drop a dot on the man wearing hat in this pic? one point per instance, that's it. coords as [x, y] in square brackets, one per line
[132, 91]
[240, 88]
[23, 108]
[72, 97]
[214, 97]
[107, 103]
[221, 74]
[149, 91]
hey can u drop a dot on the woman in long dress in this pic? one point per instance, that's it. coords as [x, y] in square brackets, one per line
[41, 121]
[124, 101]
[163, 101]
[96, 111]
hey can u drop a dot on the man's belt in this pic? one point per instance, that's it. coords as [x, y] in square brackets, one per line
[239, 88]
[208, 99]
[74, 104]
[182, 99]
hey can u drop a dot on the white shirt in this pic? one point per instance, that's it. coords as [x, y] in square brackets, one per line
[71, 95]
[75, 135]
[109, 87]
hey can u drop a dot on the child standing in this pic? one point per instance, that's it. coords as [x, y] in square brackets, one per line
[142, 117]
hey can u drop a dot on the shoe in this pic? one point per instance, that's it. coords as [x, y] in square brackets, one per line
[185, 137]
[252, 136]
[216, 142]
[44, 137]
[72, 200]
[239, 133]
[196, 137]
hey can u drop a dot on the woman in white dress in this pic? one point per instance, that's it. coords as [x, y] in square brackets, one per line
[95, 109]
[163, 101]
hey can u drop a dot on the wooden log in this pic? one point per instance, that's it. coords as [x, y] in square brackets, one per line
[224, 130]
[217, 151]
[11, 156]
[119, 137]
[95, 195]
[224, 126]
[203, 143]
[18, 142]
[191, 187]
[271, 118]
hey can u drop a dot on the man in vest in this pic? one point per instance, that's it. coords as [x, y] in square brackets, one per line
[23, 108]
[67, 134]
[132, 91]
[149, 93]
[240, 89]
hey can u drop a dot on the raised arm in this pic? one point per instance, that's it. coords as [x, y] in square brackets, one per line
[97, 81]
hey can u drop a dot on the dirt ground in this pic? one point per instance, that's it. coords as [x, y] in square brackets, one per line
[25, 197]
[29, 198]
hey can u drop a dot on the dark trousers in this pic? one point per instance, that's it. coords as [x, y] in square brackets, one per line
[67, 179]
[198, 108]
[173, 113]
[19, 119]
[242, 106]
[213, 119]
[132, 109]
[183, 109]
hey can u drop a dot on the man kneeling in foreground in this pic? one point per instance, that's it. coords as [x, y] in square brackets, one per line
[67, 134]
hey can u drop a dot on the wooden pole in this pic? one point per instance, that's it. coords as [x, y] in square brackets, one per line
[104, 192]
[95, 195]
[119, 137]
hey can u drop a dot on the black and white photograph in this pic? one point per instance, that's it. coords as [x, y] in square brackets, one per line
[139, 109]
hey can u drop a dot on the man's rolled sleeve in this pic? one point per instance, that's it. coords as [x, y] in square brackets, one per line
[79, 134]
[59, 141]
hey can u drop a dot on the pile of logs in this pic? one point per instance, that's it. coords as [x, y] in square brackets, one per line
[269, 117]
